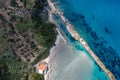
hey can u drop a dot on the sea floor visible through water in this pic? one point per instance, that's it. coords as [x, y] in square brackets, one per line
[71, 60]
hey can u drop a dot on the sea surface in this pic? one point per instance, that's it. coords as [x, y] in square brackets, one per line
[98, 23]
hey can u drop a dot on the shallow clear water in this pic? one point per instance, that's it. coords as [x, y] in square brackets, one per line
[98, 22]
[72, 61]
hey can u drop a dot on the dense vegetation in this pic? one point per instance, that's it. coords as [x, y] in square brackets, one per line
[43, 28]
[11, 66]
[37, 12]
[13, 3]
[37, 76]
[46, 29]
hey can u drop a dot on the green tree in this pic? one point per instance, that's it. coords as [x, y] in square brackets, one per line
[13, 3]
[4, 73]
[37, 76]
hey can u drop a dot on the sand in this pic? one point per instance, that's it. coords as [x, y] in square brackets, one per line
[59, 41]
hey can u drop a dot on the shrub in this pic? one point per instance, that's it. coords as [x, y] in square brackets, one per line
[13, 3]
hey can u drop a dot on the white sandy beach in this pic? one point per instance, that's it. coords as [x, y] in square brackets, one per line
[64, 61]
[53, 50]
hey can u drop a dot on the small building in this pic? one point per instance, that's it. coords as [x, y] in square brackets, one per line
[42, 68]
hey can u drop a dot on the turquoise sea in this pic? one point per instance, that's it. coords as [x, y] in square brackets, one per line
[98, 22]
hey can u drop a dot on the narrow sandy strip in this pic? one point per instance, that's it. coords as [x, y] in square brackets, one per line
[74, 34]
[52, 20]
[50, 58]
[52, 55]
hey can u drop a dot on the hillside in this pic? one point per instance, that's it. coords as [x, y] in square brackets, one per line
[26, 36]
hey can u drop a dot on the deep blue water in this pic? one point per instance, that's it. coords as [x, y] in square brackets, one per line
[98, 22]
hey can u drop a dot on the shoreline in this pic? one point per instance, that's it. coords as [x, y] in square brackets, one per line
[75, 35]
[52, 21]
[50, 58]
[59, 36]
